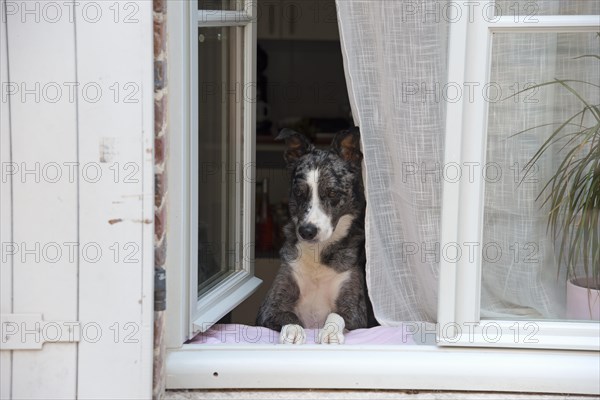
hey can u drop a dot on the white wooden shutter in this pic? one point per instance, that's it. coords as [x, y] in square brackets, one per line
[44, 214]
[98, 134]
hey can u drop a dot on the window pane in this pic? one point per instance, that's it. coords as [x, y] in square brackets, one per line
[523, 275]
[532, 8]
[230, 5]
[220, 52]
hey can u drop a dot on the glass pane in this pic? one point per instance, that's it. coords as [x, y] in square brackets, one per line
[529, 9]
[220, 52]
[229, 5]
[524, 274]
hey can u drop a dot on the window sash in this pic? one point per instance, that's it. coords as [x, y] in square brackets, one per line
[234, 287]
[463, 202]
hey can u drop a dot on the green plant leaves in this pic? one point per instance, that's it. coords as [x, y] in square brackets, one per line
[572, 193]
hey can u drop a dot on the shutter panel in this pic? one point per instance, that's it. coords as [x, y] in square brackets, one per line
[43, 132]
[77, 202]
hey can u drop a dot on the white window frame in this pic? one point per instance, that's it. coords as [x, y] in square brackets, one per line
[423, 367]
[236, 287]
[189, 315]
[463, 202]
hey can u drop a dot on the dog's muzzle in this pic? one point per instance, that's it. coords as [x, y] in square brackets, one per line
[307, 231]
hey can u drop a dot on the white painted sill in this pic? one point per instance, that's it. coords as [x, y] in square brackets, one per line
[382, 367]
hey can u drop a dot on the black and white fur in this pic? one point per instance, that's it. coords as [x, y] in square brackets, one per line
[321, 282]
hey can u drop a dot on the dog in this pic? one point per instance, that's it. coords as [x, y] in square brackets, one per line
[321, 280]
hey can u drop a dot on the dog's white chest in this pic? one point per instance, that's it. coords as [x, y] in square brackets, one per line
[319, 287]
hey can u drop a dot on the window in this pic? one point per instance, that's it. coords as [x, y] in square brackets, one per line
[426, 366]
[222, 133]
[507, 48]
[213, 112]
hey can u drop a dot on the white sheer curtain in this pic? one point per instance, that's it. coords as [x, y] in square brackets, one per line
[394, 62]
[395, 56]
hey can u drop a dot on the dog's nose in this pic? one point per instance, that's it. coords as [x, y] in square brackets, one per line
[307, 231]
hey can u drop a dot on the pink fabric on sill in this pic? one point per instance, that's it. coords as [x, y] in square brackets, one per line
[244, 334]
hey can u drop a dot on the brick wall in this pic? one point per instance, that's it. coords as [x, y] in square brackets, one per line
[160, 183]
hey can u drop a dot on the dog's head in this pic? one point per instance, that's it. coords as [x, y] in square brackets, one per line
[326, 185]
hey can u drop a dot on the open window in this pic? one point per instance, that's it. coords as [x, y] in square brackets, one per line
[222, 91]
[443, 357]
[220, 162]
[212, 153]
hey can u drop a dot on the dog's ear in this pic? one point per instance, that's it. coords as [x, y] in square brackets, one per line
[297, 145]
[347, 145]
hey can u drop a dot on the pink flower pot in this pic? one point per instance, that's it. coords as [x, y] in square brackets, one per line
[582, 303]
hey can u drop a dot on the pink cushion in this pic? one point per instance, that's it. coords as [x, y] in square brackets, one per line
[244, 334]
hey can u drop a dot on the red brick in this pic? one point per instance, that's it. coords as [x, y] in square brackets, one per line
[160, 149]
[160, 222]
[160, 253]
[160, 114]
[160, 188]
[160, 6]
[160, 37]
[160, 75]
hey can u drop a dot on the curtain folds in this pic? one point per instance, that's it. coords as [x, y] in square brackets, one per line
[395, 65]
[395, 59]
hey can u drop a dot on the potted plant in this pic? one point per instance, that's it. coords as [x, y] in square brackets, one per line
[572, 195]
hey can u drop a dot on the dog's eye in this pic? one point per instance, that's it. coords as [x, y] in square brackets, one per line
[298, 191]
[334, 197]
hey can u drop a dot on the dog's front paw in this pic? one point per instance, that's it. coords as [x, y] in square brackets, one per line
[333, 331]
[292, 334]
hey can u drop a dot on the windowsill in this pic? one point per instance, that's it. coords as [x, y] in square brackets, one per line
[382, 367]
